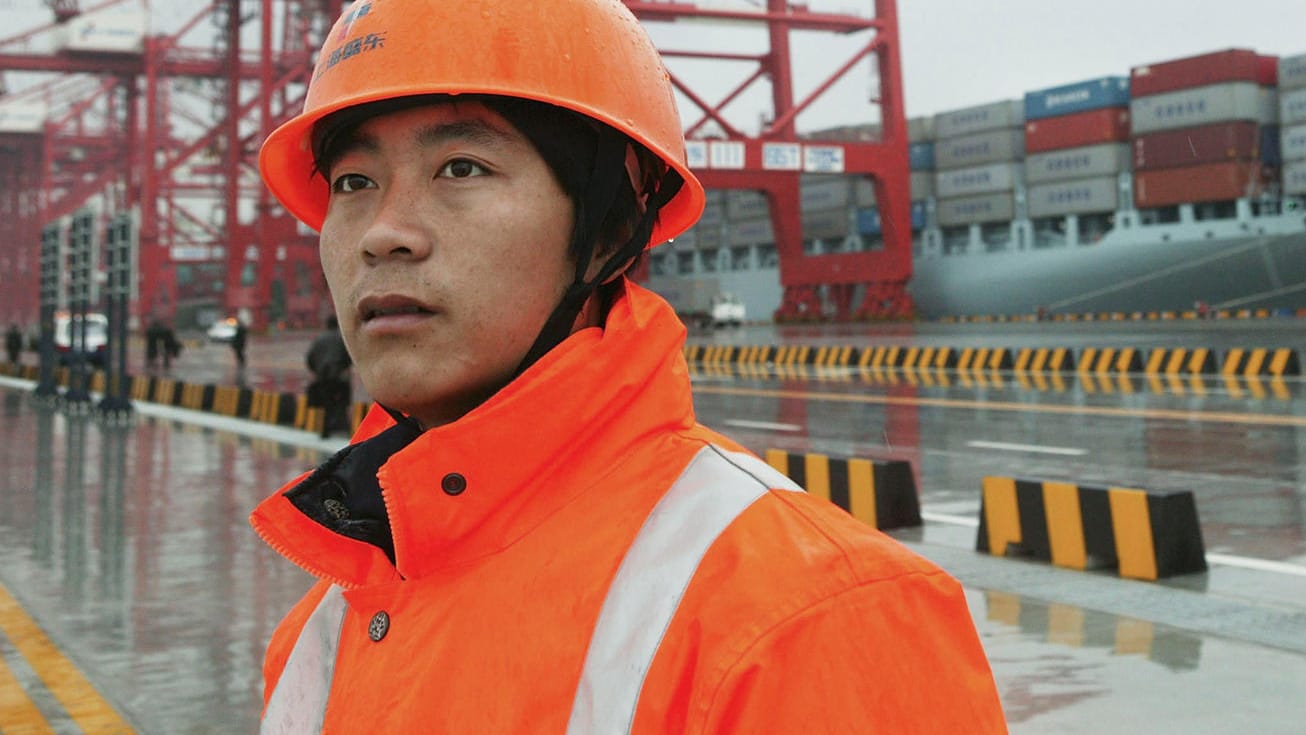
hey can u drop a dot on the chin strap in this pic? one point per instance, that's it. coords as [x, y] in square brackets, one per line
[612, 161]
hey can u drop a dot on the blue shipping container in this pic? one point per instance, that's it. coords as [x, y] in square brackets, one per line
[868, 220]
[1093, 94]
[921, 155]
[1271, 152]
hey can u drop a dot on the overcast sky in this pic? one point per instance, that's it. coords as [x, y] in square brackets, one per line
[958, 53]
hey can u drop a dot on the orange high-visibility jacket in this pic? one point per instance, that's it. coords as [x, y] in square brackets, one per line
[578, 555]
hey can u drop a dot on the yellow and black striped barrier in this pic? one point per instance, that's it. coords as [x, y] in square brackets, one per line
[882, 494]
[1041, 359]
[1277, 363]
[1173, 361]
[1143, 534]
[1109, 360]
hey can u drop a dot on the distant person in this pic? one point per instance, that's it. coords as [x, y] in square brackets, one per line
[332, 387]
[14, 343]
[238, 343]
[160, 342]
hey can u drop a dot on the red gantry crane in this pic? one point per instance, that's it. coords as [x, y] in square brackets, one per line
[865, 284]
[101, 107]
[104, 110]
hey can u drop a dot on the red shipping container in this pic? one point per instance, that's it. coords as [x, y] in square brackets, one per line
[1230, 141]
[1211, 182]
[1105, 125]
[1234, 65]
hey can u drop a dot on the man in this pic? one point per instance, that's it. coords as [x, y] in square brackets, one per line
[328, 361]
[160, 341]
[14, 343]
[238, 343]
[530, 533]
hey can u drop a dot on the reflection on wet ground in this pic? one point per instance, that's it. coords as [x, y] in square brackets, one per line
[128, 547]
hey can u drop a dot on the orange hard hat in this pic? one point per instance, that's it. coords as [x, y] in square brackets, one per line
[588, 56]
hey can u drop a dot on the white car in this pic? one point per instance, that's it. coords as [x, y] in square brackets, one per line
[97, 338]
[727, 310]
[223, 330]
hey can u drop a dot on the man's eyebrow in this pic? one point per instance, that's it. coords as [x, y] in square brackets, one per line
[474, 131]
[357, 140]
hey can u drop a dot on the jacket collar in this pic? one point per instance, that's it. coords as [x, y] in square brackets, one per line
[468, 489]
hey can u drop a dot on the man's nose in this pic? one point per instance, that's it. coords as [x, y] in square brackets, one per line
[397, 230]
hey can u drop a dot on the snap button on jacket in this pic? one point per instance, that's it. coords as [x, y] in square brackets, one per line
[591, 506]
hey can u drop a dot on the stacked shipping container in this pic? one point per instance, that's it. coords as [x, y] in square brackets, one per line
[977, 155]
[1198, 128]
[920, 153]
[1292, 121]
[1075, 136]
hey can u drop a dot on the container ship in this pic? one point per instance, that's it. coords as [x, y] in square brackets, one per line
[1179, 186]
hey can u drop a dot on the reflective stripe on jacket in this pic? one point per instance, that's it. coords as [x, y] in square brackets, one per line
[611, 566]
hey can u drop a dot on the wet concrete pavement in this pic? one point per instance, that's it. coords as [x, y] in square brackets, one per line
[129, 550]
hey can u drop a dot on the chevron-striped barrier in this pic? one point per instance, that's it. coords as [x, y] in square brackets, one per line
[1261, 362]
[1180, 360]
[881, 494]
[1143, 534]
[1040, 359]
[1109, 360]
[279, 408]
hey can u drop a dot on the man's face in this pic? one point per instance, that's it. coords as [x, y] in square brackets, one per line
[445, 248]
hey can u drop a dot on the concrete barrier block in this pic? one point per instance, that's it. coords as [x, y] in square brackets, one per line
[1142, 534]
[880, 493]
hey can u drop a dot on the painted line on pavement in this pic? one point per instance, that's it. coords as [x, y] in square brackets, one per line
[85, 705]
[764, 425]
[950, 519]
[1034, 448]
[1263, 565]
[18, 713]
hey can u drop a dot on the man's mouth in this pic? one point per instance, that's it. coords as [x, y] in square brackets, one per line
[388, 306]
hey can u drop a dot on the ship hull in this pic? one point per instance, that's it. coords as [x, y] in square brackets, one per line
[1244, 263]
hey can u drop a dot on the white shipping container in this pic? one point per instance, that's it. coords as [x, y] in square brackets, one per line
[865, 189]
[1106, 159]
[922, 186]
[1292, 107]
[1292, 73]
[920, 129]
[977, 179]
[993, 146]
[751, 232]
[744, 204]
[825, 225]
[705, 237]
[118, 31]
[713, 215]
[1294, 178]
[23, 117]
[1101, 194]
[686, 239]
[993, 116]
[1293, 143]
[1214, 103]
[977, 209]
[823, 192]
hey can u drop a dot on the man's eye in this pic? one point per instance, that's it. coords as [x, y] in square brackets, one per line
[461, 168]
[347, 183]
